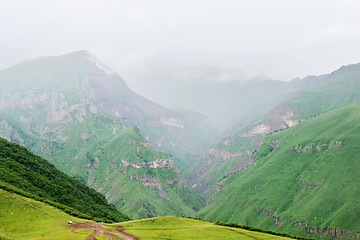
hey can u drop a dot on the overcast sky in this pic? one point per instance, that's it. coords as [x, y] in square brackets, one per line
[282, 39]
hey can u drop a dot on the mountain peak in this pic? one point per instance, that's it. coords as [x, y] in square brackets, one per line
[91, 58]
[84, 53]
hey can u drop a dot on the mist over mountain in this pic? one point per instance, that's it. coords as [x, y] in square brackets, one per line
[225, 96]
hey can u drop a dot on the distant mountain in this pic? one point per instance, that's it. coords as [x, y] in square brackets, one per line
[329, 91]
[225, 96]
[316, 95]
[303, 180]
[33, 175]
[72, 110]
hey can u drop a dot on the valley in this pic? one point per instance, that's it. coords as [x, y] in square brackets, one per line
[91, 150]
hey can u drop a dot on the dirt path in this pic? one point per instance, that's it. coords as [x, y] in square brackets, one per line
[111, 232]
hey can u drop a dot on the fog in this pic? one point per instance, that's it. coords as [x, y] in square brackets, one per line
[280, 39]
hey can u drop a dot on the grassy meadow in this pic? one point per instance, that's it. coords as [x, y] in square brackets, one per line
[184, 228]
[25, 218]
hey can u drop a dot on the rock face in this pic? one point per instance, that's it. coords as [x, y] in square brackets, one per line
[320, 147]
[161, 163]
[173, 122]
[280, 118]
[234, 153]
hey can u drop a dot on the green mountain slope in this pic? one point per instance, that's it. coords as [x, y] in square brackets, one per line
[33, 174]
[317, 95]
[304, 180]
[234, 153]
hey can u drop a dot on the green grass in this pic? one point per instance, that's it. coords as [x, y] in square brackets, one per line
[25, 218]
[185, 228]
[320, 188]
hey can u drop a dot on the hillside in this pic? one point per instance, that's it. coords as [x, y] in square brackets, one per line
[32, 174]
[318, 94]
[235, 153]
[304, 180]
[138, 180]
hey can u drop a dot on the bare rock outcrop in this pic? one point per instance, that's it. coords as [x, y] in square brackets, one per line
[280, 118]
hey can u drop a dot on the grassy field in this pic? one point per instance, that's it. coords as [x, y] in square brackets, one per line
[25, 218]
[185, 228]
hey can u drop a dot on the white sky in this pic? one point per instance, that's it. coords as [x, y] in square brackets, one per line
[282, 39]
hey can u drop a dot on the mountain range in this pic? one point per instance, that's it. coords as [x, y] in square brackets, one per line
[287, 160]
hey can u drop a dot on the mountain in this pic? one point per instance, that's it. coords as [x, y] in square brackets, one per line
[47, 94]
[71, 110]
[23, 172]
[329, 92]
[317, 95]
[303, 180]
